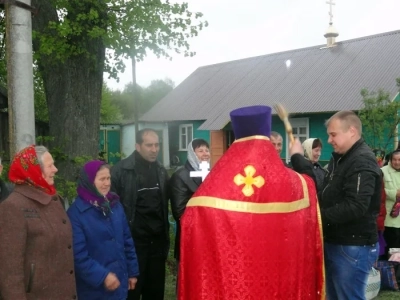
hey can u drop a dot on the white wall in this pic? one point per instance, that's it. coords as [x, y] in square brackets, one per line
[128, 139]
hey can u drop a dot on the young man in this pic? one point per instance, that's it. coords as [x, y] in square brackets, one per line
[349, 202]
[141, 182]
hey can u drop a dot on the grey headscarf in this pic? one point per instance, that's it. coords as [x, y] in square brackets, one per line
[192, 157]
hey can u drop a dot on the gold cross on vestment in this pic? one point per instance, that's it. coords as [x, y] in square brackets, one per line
[249, 180]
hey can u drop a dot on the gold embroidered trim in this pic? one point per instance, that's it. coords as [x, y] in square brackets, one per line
[254, 137]
[251, 207]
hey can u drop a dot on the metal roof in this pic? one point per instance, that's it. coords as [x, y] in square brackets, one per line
[319, 79]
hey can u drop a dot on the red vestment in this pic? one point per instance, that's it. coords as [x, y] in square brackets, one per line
[252, 231]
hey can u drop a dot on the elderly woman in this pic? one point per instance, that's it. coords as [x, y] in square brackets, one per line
[183, 186]
[105, 259]
[35, 235]
[312, 151]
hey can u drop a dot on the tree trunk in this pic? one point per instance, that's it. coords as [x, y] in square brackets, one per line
[73, 91]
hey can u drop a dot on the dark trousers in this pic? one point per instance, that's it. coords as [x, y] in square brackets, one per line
[392, 237]
[152, 260]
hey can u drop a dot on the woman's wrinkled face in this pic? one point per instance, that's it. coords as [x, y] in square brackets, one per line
[316, 153]
[202, 153]
[102, 181]
[49, 170]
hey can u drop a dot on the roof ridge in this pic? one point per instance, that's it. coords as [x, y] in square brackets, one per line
[305, 48]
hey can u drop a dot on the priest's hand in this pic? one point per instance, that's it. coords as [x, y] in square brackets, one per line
[296, 147]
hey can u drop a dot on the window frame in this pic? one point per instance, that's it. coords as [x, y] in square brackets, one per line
[186, 126]
[297, 123]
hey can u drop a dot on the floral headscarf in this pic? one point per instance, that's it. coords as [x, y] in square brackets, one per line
[88, 192]
[25, 169]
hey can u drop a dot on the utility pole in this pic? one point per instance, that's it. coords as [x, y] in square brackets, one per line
[136, 96]
[20, 74]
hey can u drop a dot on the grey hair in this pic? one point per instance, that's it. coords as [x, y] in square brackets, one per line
[40, 150]
[276, 135]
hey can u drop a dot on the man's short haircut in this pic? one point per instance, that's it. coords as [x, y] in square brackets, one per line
[141, 133]
[275, 135]
[316, 143]
[348, 118]
[196, 143]
[40, 150]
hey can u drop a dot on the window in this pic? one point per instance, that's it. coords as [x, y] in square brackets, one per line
[300, 127]
[185, 136]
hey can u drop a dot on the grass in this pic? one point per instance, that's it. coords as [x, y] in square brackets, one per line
[170, 282]
[170, 285]
[383, 295]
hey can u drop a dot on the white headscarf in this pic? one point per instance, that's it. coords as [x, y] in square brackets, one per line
[192, 157]
[307, 146]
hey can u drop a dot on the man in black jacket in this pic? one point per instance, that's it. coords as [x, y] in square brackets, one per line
[349, 203]
[141, 182]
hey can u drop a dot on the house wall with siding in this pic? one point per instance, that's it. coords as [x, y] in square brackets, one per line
[174, 137]
[317, 129]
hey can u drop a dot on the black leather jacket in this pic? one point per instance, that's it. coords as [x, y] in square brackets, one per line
[319, 173]
[350, 197]
[182, 188]
[124, 183]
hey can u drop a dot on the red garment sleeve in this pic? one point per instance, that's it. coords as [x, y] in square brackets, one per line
[382, 211]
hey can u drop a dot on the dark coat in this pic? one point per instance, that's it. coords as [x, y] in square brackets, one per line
[351, 195]
[124, 180]
[182, 188]
[36, 247]
[320, 174]
[101, 245]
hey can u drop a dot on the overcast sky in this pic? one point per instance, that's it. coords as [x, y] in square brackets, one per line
[245, 28]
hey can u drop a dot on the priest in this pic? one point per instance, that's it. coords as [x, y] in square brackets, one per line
[252, 230]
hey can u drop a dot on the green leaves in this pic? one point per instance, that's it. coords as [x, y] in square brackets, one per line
[380, 117]
[123, 100]
[127, 28]
[109, 112]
